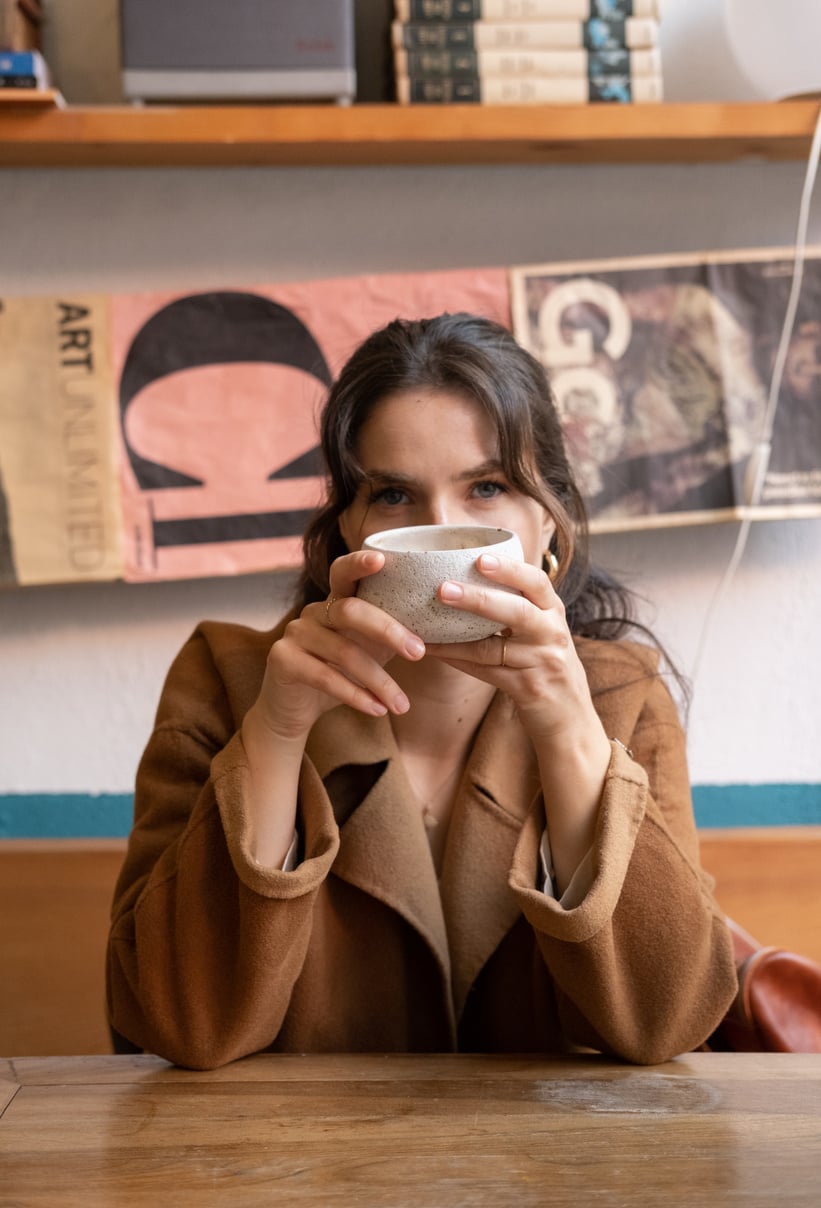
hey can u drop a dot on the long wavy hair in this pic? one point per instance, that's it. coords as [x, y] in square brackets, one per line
[477, 359]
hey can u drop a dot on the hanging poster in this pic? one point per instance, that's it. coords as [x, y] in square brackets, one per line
[661, 367]
[151, 436]
[60, 518]
[172, 435]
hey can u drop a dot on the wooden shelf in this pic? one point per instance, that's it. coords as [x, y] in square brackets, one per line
[136, 136]
[27, 97]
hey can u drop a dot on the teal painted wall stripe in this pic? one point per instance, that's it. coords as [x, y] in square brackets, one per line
[108, 815]
[65, 815]
[757, 804]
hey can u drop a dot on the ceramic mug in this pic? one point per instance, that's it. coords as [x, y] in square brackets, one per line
[418, 560]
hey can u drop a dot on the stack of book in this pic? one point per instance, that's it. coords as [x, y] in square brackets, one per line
[24, 69]
[518, 52]
[25, 77]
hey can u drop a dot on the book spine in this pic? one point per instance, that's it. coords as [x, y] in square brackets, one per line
[21, 62]
[18, 81]
[522, 10]
[528, 90]
[25, 63]
[632, 33]
[527, 63]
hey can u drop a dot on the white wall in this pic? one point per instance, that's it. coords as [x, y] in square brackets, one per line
[81, 667]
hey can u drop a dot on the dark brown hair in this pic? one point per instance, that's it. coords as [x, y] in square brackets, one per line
[478, 359]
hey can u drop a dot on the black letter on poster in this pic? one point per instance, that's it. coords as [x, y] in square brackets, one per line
[218, 328]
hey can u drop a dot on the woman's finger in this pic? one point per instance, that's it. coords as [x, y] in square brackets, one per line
[494, 651]
[508, 610]
[321, 659]
[530, 580]
[347, 570]
[359, 621]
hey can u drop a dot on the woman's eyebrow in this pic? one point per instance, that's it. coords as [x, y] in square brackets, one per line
[492, 466]
[391, 476]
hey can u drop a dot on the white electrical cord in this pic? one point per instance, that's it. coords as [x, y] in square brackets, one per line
[756, 471]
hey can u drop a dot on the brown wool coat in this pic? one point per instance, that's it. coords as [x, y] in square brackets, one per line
[212, 957]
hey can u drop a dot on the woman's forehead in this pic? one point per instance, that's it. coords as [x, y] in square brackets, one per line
[434, 419]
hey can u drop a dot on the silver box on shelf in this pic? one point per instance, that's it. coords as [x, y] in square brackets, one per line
[211, 50]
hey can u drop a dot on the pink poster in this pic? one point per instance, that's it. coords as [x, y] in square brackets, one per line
[218, 398]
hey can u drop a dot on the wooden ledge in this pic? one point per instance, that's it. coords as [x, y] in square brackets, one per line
[272, 135]
[767, 879]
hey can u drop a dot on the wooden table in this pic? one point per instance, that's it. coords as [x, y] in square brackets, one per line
[707, 1129]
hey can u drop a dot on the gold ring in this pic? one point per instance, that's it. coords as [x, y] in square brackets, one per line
[503, 663]
[330, 600]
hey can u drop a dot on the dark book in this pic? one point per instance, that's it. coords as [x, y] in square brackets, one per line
[528, 90]
[18, 81]
[596, 35]
[527, 62]
[522, 10]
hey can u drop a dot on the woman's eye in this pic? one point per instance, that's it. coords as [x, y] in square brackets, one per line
[392, 496]
[489, 489]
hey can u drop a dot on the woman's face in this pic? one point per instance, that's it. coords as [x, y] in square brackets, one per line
[432, 457]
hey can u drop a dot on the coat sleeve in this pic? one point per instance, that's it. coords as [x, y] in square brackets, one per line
[642, 965]
[205, 945]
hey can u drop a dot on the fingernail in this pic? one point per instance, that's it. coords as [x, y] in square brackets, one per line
[378, 708]
[415, 648]
[489, 562]
[452, 591]
[401, 703]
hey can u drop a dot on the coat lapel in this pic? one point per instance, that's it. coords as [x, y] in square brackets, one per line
[500, 784]
[384, 849]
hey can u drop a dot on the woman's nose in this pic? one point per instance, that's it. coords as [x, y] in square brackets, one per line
[443, 511]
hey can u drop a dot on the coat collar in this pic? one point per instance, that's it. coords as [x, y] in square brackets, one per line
[499, 788]
[345, 738]
[384, 848]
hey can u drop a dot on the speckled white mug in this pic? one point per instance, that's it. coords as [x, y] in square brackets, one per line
[418, 560]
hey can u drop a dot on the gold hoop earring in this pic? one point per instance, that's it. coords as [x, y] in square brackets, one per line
[552, 563]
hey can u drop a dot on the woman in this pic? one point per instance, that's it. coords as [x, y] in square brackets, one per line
[344, 840]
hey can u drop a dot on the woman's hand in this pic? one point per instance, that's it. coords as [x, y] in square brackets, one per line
[335, 653]
[533, 659]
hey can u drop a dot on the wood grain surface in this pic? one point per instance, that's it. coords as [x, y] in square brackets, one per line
[213, 135]
[708, 1129]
